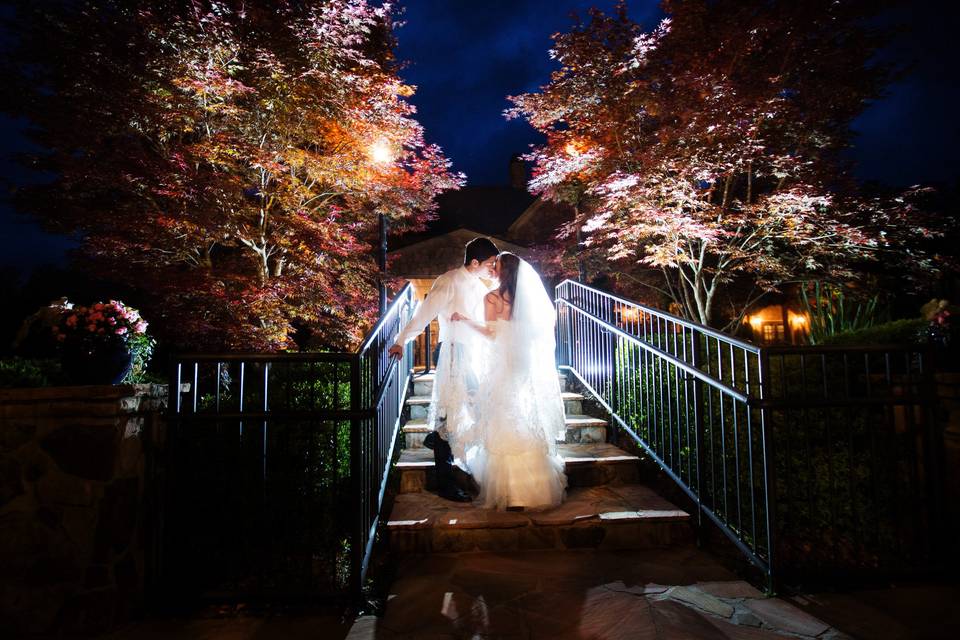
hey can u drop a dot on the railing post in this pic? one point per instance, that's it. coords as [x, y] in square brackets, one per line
[357, 545]
[696, 358]
[427, 351]
[769, 469]
[382, 264]
[614, 385]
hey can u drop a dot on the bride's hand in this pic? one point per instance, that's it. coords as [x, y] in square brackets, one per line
[456, 316]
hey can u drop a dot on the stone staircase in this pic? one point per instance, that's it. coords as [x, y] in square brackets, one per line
[606, 506]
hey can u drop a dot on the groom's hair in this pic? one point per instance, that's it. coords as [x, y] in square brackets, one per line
[479, 249]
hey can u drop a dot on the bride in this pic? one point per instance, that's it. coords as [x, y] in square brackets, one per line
[513, 444]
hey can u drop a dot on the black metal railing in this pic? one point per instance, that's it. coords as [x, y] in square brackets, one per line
[734, 424]
[277, 466]
[425, 349]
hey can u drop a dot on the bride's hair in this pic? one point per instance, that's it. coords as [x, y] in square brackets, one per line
[509, 265]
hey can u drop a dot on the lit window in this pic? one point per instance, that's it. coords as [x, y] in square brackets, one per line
[773, 332]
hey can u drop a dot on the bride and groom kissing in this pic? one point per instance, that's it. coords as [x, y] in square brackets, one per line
[496, 407]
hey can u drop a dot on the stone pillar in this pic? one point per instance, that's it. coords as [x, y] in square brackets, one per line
[71, 505]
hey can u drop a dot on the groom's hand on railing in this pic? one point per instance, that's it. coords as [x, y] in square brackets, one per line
[396, 351]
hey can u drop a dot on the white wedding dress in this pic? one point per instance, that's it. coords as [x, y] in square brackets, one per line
[519, 410]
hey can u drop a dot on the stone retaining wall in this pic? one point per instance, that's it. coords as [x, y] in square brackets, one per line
[71, 505]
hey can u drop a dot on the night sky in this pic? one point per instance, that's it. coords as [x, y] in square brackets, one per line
[466, 56]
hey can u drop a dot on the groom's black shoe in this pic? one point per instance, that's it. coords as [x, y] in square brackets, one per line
[443, 464]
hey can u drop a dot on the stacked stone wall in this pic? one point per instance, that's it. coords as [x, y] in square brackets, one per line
[72, 478]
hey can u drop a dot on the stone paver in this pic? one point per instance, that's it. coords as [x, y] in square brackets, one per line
[738, 589]
[778, 614]
[700, 600]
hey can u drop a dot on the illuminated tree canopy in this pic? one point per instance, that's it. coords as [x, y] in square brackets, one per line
[709, 150]
[229, 158]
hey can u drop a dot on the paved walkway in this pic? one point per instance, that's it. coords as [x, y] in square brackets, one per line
[661, 594]
[563, 594]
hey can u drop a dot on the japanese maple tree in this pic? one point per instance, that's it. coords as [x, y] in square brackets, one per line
[230, 159]
[709, 148]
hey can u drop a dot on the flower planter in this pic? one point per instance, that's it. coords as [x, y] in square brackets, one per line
[90, 362]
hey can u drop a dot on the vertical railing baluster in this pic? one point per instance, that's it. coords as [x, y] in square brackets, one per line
[769, 472]
[698, 431]
[196, 384]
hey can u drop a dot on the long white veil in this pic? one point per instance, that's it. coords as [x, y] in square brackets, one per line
[519, 409]
[527, 370]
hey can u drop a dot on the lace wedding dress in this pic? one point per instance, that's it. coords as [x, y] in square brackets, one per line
[519, 408]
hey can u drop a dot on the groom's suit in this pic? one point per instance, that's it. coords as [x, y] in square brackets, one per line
[455, 380]
[457, 290]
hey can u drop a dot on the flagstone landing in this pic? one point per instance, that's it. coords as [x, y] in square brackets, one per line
[589, 594]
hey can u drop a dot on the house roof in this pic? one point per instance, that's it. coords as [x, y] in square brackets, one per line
[539, 221]
[486, 209]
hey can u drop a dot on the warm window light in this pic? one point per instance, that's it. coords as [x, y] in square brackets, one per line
[798, 321]
[381, 153]
[756, 322]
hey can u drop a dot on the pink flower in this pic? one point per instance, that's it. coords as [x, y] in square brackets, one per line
[71, 321]
[91, 327]
[140, 327]
[111, 321]
[121, 330]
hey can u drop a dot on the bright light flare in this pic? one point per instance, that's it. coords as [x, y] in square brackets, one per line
[798, 321]
[381, 152]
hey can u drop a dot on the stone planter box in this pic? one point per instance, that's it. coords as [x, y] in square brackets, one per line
[71, 505]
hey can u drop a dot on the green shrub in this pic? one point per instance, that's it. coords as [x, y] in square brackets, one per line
[905, 331]
[21, 372]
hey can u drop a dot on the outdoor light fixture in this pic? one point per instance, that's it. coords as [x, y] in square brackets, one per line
[380, 152]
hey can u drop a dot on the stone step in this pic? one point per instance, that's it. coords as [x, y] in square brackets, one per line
[572, 403]
[423, 383]
[580, 429]
[587, 465]
[609, 517]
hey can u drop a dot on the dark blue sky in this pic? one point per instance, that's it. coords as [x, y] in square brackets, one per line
[466, 56]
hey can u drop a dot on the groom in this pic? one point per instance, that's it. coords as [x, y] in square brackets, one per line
[459, 290]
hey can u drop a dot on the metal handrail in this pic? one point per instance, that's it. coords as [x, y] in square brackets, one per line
[694, 375]
[724, 419]
[688, 324]
[680, 364]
